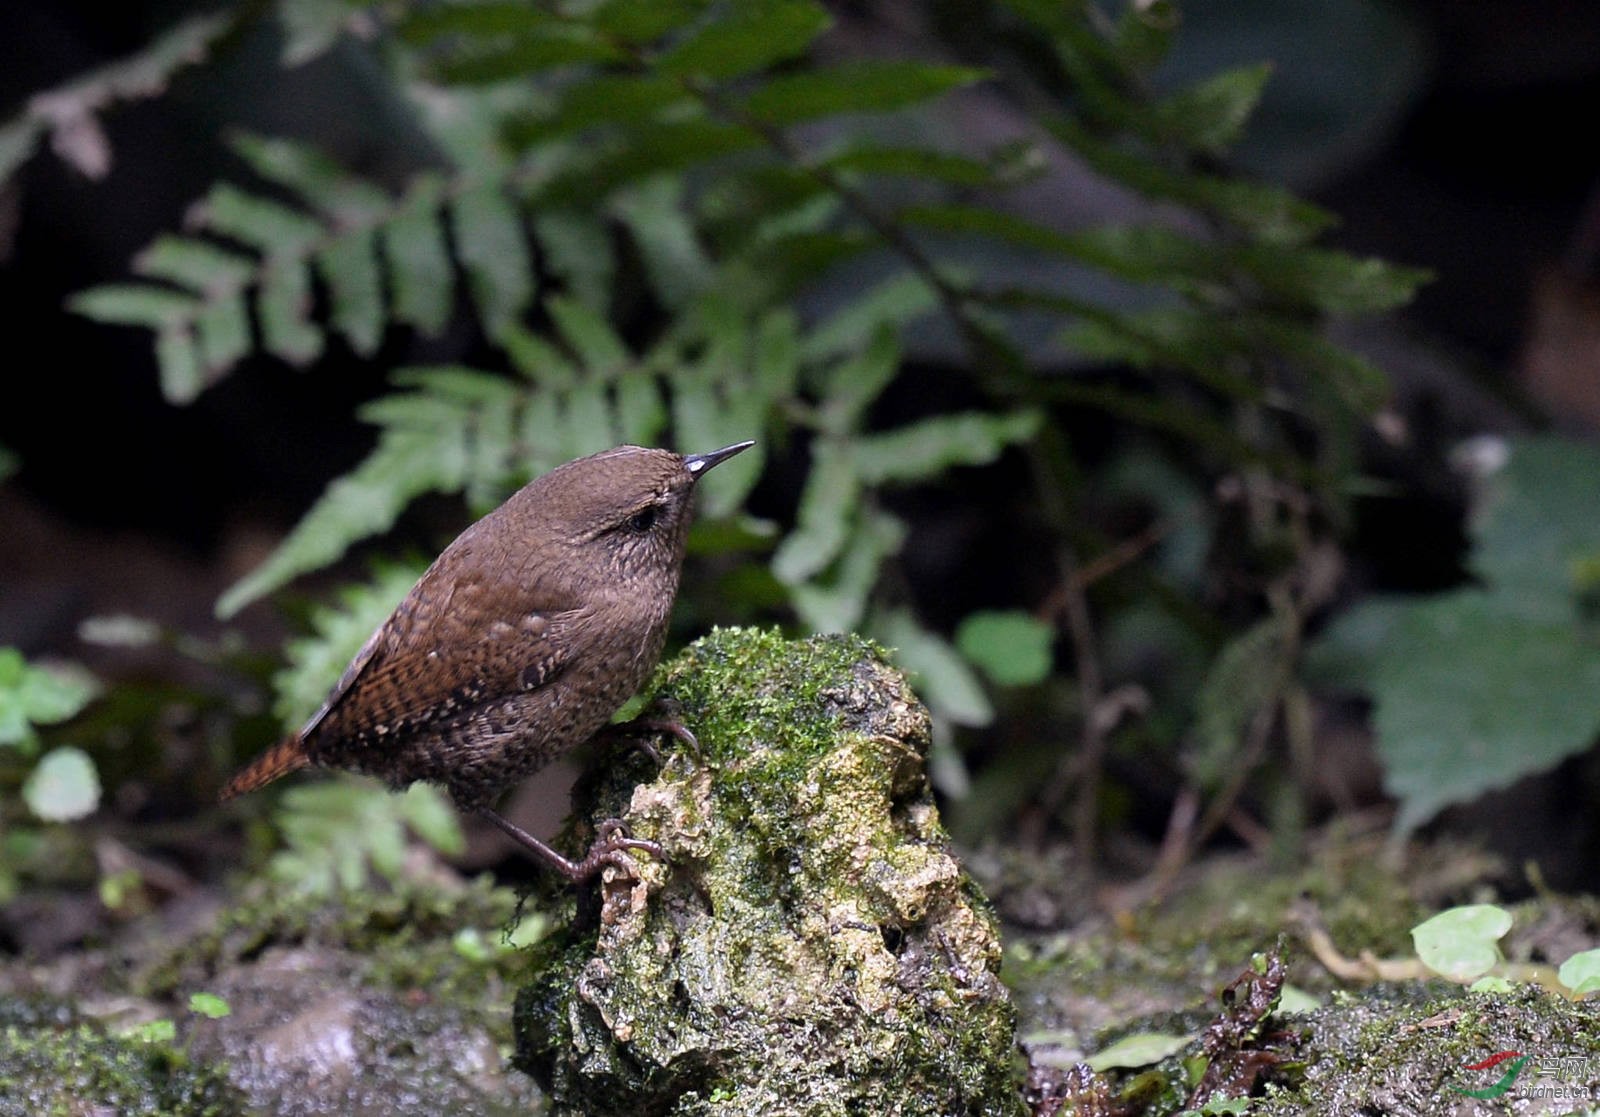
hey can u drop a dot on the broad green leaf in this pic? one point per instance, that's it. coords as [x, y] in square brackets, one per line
[923, 449]
[1581, 973]
[64, 786]
[1536, 521]
[420, 276]
[1470, 693]
[865, 86]
[751, 36]
[1011, 647]
[284, 309]
[1142, 1049]
[1461, 943]
[494, 254]
[942, 678]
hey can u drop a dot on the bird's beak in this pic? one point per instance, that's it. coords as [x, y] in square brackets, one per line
[697, 464]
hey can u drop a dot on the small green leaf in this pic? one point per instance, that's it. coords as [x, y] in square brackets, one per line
[576, 249]
[1295, 1001]
[63, 787]
[1461, 943]
[209, 1005]
[1011, 647]
[914, 162]
[1142, 1049]
[865, 86]
[152, 1032]
[471, 945]
[33, 695]
[1581, 973]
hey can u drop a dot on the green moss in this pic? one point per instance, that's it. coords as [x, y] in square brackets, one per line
[403, 936]
[64, 1071]
[811, 946]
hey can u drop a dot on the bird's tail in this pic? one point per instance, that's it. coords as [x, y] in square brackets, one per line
[288, 755]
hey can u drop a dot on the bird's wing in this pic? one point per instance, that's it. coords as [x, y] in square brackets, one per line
[466, 632]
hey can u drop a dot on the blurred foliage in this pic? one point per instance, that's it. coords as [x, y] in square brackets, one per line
[60, 786]
[1478, 687]
[639, 202]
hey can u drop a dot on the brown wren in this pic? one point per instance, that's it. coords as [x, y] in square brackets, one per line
[519, 642]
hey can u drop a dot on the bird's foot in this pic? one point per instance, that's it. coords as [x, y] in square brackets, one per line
[637, 734]
[610, 848]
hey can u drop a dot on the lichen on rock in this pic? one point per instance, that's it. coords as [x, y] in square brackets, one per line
[810, 945]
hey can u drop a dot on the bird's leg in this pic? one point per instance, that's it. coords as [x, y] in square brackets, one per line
[607, 849]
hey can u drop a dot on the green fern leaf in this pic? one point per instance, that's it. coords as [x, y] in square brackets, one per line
[641, 21]
[866, 86]
[494, 254]
[419, 269]
[924, 449]
[284, 308]
[349, 266]
[838, 602]
[203, 267]
[823, 520]
[575, 248]
[755, 35]
[1209, 116]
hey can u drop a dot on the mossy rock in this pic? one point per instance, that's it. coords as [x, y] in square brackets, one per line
[810, 945]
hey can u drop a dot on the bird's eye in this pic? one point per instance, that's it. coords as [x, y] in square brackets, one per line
[643, 520]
